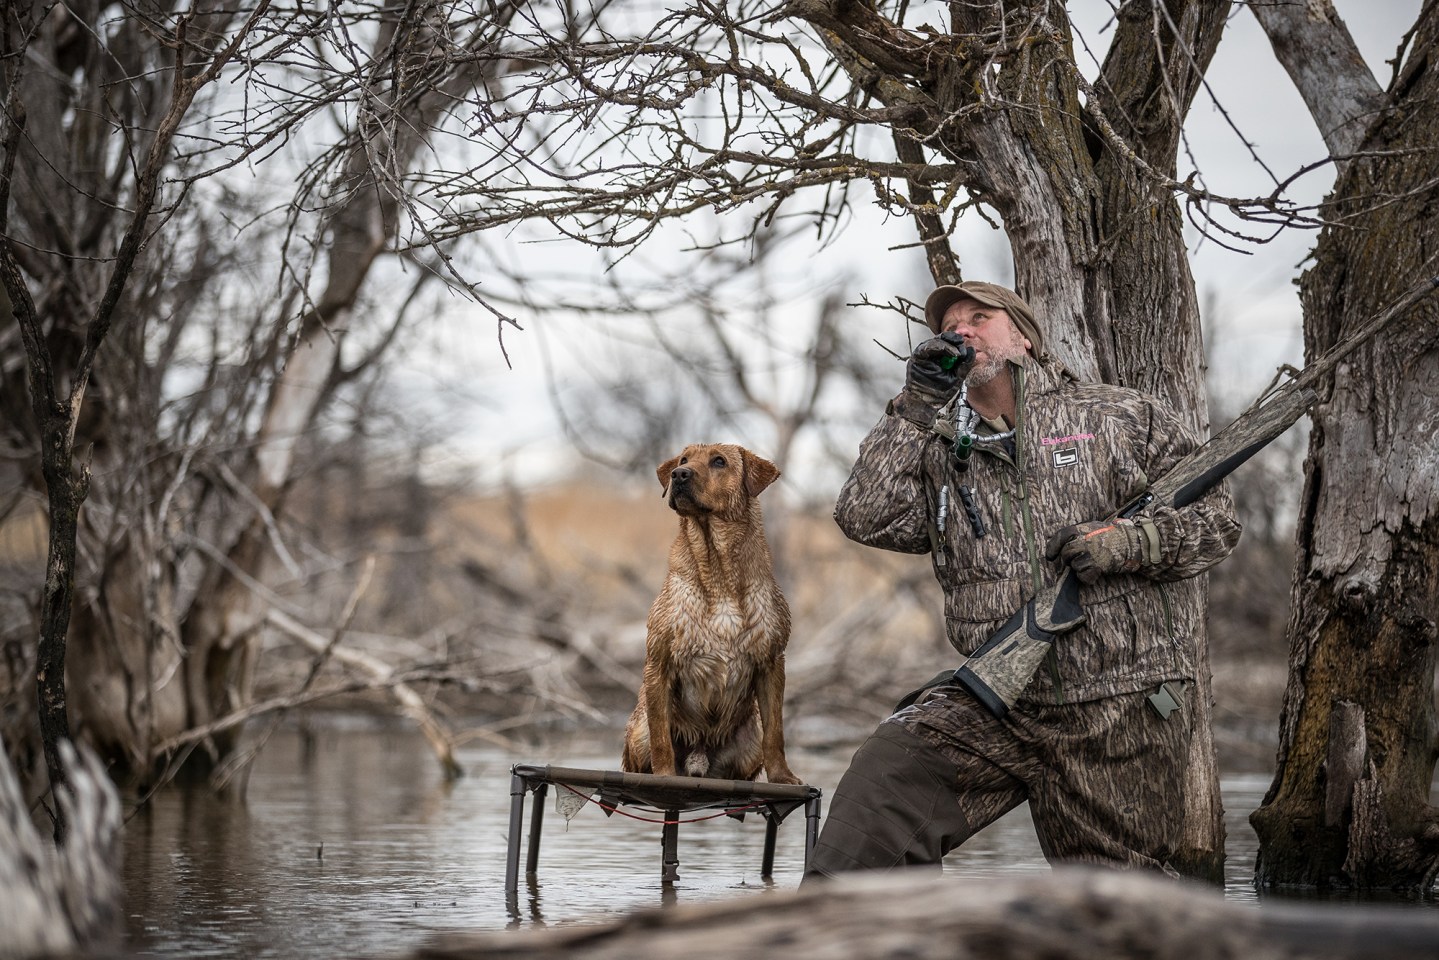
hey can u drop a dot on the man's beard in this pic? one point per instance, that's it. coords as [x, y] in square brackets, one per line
[986, 371]
[995, 362]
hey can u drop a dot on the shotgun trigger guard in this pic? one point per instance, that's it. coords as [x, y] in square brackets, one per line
[1132, 508]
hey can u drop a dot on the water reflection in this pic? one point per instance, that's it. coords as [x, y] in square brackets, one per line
[351, 843]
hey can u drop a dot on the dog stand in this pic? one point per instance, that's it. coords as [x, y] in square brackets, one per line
[674, 795]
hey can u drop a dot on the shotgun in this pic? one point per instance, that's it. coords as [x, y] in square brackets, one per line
[1002, 667]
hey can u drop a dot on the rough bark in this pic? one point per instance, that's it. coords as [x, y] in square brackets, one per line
[1097, 241]
[66, 487]
[1150, 77]
[1349, 803]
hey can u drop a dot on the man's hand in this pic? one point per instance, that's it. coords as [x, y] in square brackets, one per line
[937, 366]
[1092, 550]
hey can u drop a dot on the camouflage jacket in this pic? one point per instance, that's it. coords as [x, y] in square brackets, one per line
[1080, 451]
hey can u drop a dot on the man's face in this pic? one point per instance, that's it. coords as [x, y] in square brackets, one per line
[991, 333]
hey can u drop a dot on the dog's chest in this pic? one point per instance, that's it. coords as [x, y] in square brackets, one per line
[721, 626]
[719, 642]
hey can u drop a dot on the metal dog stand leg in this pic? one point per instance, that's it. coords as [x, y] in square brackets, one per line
[512, 855]
[669, 841]
[771, 830]
[537, 819]
[811, 828]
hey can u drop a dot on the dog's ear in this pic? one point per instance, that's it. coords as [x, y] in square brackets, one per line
[664, 471]
[758, 473]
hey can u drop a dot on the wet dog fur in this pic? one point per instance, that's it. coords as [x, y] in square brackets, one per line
[712, 695]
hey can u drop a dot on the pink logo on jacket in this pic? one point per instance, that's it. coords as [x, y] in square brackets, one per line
[1053, 441]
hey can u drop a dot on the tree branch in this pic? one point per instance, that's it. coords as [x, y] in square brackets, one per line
[1322, 59]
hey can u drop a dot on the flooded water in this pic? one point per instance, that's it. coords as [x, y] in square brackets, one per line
[351, 844]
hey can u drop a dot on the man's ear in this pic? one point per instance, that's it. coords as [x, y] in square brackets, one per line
[758, 473]
[664, 471]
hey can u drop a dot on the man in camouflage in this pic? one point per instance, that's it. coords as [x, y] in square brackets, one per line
[995, 460]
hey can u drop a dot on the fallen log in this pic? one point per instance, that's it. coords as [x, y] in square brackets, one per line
[1070, 914]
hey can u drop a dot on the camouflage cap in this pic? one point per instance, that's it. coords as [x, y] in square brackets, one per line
[990, 294]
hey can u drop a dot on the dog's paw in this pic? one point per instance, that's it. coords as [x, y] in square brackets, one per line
[697, 764]
[782, 775]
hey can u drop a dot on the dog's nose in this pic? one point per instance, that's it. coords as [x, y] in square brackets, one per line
[681, 475]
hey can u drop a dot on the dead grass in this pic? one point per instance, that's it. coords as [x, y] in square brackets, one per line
[22, 539]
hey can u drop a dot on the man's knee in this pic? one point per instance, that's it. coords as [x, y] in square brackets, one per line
[895, 806]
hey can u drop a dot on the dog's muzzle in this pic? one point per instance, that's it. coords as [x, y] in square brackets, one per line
[681, 489]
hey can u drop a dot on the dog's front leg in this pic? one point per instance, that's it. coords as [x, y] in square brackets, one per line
[662, 744]
[770, 694]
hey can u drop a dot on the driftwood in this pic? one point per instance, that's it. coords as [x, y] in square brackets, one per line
[60, 901]
[1069, 914]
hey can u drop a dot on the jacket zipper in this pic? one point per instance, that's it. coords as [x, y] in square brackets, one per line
[1021, 486]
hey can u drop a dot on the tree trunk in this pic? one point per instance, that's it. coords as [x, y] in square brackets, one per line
[64, 902]
[1154, 334]
[1349, 803]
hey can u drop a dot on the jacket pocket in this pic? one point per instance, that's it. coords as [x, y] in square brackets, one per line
[1128, 634]
[975, 609]
[983, 600]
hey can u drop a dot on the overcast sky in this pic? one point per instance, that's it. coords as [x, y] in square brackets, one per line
[509, 428]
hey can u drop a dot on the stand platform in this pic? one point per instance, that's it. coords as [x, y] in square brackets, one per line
[673, 795]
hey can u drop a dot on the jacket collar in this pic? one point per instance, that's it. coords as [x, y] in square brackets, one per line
[1042, 376]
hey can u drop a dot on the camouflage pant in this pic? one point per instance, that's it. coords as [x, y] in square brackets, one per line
[1104, 780]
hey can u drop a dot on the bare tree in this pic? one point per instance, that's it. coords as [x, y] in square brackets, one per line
[168, 383]
[1349, 805]
[726, 348]
[61, 356]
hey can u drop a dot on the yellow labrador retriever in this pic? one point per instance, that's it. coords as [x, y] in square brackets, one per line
[711, 700]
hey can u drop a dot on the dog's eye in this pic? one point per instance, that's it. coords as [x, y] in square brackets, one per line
[684, 460]
[717, 462]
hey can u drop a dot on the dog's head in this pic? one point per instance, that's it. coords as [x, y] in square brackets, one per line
[716, 479]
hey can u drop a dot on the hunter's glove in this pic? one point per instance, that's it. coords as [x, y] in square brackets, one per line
[1092, 550]
[937, 366]
[932, 376]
